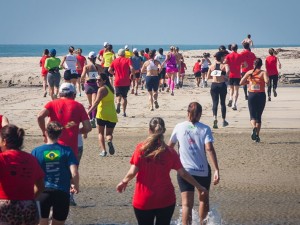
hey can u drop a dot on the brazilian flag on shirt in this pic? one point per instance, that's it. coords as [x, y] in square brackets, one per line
[52, 155]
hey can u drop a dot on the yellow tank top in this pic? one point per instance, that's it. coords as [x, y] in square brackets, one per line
[106, 109]
[108, 58]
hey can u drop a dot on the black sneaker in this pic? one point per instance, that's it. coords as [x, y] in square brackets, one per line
[257, 140]
[246, 97]
[254, 134]
[72, 201]
[275, 93]
[111, 148]
[229, 103]
[269, 98]
[118, 110]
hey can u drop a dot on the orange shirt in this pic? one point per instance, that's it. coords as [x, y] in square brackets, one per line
[256, 82]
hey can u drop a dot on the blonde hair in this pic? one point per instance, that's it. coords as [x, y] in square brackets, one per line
[154, 145]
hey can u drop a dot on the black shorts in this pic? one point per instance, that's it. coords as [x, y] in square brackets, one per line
[57, 199]
[198, 74]
[106, 72]
[234, 81]
[152, 83]
[137, 75]
[78, 75]
[105, 123]
[69, 76]
[122, 91]
[162, 74]
[204, 70]
[203, 181]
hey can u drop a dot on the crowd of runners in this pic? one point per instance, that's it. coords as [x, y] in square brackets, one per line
[106, 78]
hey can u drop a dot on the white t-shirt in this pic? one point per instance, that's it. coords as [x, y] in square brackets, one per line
[192, 140]
[70, 63]
[161, 59]
[80, 141]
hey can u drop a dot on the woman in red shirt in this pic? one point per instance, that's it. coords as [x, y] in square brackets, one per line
[44, 71]
[257, 79]
[271, 67]
[21, 179]
[154, 195]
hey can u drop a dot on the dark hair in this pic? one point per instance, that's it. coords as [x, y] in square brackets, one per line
[136, 53]
[146, 50]
[46, 51]
[229, 47]
[249, 35]
[152, 54]
[246, 45]
[142, 51]
[71, 49]
[105, 78]
[219, 56]
[271, 51]
[206, 54]
[222, 48]
[194, 111]
[79, 50]
[161, 51]
[13, 135]
[109, 47]
[257, 64]
[54, 129]
[234, 47]
[155, 144]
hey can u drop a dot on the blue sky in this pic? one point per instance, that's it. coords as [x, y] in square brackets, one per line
[149, 22]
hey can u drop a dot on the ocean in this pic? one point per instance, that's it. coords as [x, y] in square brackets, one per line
[37, 50]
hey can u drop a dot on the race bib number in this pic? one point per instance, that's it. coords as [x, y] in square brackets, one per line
[93, 75]
[255, 87]
[216, 73]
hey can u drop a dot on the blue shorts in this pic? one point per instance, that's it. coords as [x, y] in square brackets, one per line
[204, 70]
[152, 83]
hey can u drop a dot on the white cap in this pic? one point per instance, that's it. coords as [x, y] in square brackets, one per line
[121, 52]
[105, 43]
[67, 88]
[134, 50]
[92, 55]
[126, 47]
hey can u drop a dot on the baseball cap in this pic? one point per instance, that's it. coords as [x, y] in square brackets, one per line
[105, 44]
[53, 52]
[135, 50]
[92, 55]
[121, 52]
[67, 88]
[126, 47]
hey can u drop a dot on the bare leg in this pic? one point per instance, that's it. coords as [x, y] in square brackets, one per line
[45, 85]
[109, 134]
[203, 207]
[235, 95]
[101, 138]
[57, 222]
[79, 86]
[150, 100]
[124, 104]
[187, 199]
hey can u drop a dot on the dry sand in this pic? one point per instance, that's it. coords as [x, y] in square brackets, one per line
[259, 182]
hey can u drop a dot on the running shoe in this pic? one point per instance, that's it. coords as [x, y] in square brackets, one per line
[257, 139]
[111, 148]
[172, 93]
[269, 98]
[254, 134]
[118, 110]
[229, 103]
[168, 89]
[45, 94]
[225, 123]
[142, 87]
[93, 123]
[103, 153]
[275, 93]
[215, 126]
[124, 115]
[234, 107]
[72, 201]
[246, 97]
[132, 91]
[205, 84]
[156, 104]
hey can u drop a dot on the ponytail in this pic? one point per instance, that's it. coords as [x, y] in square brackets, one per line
[54, 129]
[13, 135]
[194, 111]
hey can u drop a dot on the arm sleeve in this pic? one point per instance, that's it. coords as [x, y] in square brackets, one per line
[208, 136]
[136, 157]
[72, 160]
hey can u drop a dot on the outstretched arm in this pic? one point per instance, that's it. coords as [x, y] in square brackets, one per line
[129, 176]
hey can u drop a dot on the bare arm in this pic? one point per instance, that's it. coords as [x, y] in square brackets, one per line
[143, 69]
[38, 187]
[266, 78]
[4, 121]
[74, 179]
[62, 62]
[245, 77]
[83, 75]
[279, 64]
[129, 176]
[111, 71]
[86, 127]
[102, 92]
[209, 148]
[41, 121]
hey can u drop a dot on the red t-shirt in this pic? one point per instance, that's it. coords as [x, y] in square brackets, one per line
[249, 58]
[101, 52]
[18, 173]
[146, 55]
[234, 61]
[1, 122]
[121, 67]
[271, 65]
[66, 110]
[42, 63]
[153, 188]
[81, 59]
[197, 67]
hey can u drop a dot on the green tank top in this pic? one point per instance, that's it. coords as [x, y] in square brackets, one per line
[106, 109]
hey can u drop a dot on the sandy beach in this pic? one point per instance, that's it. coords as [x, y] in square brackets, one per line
[259, 181]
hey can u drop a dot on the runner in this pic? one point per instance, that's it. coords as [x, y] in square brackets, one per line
[71, 65]
[257, 79]
[146, 54]
[106, 114]
[108, 58]
[218, 72]
[178, 63]
[182, 72]
[61, 168]
[82, 61]
[234, 61]
[52, 64]
[128, 53]
[248, 40]
[137, 63]
[122, 69]
[152, 68]
[44, 71]
[143, 75]
[171, 69]
[154, 197]
[89, 75]
[197, 72]
[271, 66]
[249, 58]
[205, 63]
[195, 143]
[162, 75]
[101, 53]
[21, 179]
